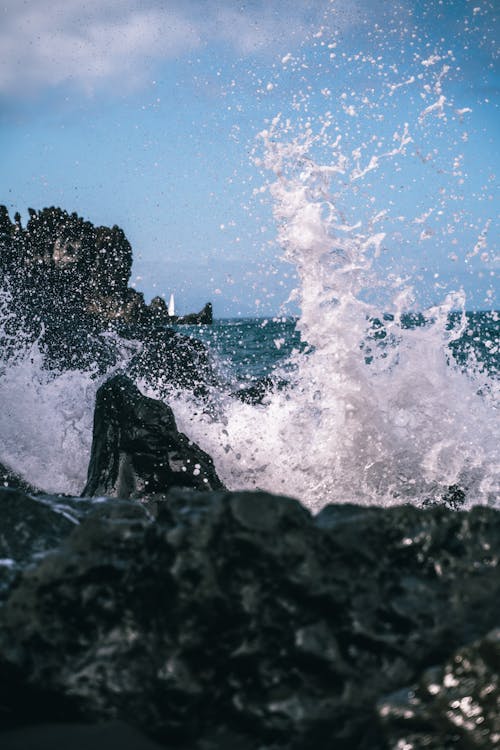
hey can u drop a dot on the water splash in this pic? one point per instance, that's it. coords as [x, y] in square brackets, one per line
[376, 411]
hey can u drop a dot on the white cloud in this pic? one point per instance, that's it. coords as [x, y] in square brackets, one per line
[44, 43]
[47, 43]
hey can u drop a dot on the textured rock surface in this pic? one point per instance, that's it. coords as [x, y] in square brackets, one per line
[167, 357]
[28, 529]
[79, 266]
[110, 736]
[237, 618]
[137, 449]
[69, 285]
[454, 705]
[9, 478]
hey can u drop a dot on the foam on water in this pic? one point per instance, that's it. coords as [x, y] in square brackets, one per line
[375, 412]
[46, 427]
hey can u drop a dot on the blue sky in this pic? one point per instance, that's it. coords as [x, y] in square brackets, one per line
[146, 114]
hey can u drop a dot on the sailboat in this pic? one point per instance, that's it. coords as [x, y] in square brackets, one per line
[171, 306]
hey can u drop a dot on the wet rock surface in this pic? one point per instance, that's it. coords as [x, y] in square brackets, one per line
[221, 619]
[168, 358]
[67, 282]
[28, 529]
[9, 478]
[454, 705]
[110, 736]
[137, 449]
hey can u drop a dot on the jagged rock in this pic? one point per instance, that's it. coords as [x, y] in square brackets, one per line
[167, 358]
[239, 615]
[453, 706]
[28, 526]
[158, 311]
[63, 249]
[9, 478]
[28, 529]
[137, 449]
[69, 283]
[204, 317]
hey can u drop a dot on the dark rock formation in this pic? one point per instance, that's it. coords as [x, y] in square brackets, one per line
[69, 282]
[109, 736]
[78, 266]
[167, 358]
[9, 478]
[236, 620]
[137, 449]
[28, 529]
[454, 705]
[204, 317]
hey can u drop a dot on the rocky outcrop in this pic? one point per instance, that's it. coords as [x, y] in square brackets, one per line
[238, 620]
[9, 478]
[28, 529]
[204, 317]
[453, 705]
[137, 450]
[64, 263]
[68, 283]
[71, 278]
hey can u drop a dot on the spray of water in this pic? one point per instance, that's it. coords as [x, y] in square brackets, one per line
[374, 411]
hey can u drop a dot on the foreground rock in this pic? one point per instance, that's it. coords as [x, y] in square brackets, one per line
[453, 705]
[29, 528]
[9, 478]
[137, 449]
[109, 736]
[238, 620]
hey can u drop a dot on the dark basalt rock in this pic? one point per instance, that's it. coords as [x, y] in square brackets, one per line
[455, 705]
[137, 449]
[238, 618]
[9, 478]
[110, 736]
[167, 358]
[204, 317]
[28, 530]
[78, 266]
[28, 526]
[69, 287]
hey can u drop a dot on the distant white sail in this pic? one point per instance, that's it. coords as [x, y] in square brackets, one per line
[171, 306]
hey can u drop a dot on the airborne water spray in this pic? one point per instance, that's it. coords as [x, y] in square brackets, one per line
[376, 410]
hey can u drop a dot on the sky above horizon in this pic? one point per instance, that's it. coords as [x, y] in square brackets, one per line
[147, 114]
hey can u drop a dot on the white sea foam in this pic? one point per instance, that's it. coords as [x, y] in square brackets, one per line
[46, 426]
[365, 419]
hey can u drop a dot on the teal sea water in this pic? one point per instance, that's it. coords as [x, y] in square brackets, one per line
[388, 409]
[395, 408]
[248, 349]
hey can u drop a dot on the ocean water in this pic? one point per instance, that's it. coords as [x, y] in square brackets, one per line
[408, 415]
[246, 350]
[363, 403]
[412, 414]
[376, 393]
